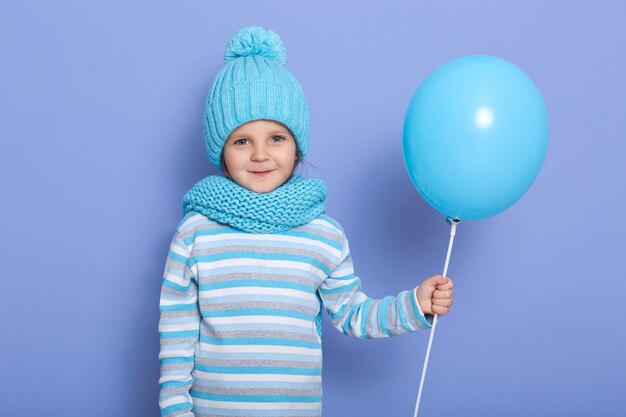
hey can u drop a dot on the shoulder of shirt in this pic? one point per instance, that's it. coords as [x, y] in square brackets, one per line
[331, 224]
[335, 231]
[194, 221]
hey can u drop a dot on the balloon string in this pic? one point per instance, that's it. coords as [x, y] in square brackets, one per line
[453, 224]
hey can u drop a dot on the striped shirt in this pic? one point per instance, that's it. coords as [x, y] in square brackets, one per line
[240, 328]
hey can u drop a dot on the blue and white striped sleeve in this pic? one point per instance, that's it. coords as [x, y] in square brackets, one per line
[355, 314]
[179, 328]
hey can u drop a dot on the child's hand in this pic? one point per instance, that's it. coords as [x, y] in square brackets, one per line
[435, 295]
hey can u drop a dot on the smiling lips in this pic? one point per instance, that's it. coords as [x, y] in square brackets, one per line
[261, 173]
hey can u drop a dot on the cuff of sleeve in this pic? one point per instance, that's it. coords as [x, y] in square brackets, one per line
[426, 320]
[178, 410]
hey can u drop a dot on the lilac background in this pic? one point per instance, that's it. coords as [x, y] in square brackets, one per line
[100, 126]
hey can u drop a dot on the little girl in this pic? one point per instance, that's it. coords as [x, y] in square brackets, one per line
[255, 258]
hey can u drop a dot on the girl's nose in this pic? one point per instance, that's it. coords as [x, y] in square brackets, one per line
[259, 153]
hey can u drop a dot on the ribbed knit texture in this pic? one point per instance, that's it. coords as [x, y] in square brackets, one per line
[239, 324]
[294, 203]
[254, 84]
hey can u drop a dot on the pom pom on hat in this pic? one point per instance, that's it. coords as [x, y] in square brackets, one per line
[255, 40]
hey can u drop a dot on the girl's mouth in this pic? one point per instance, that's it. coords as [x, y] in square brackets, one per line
[261, 173]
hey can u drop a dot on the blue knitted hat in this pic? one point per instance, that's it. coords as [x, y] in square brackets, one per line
[254, 84]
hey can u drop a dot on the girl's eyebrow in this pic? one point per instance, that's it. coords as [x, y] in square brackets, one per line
[240, 135]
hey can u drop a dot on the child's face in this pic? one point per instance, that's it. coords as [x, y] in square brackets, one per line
[260, 155]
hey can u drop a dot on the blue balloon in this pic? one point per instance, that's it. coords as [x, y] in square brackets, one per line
[475, 137]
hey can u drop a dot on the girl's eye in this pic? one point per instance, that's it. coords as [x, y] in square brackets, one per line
[278, 138]
[240, 141]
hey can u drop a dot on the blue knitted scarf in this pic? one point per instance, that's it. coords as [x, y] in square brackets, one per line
[296, 202]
